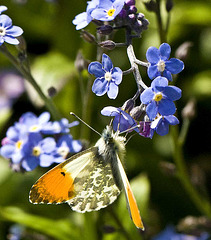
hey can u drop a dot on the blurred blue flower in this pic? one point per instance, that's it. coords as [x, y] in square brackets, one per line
[83, 19]
[32, 123]
[159, 63]
[12, 145]
[161, 124]
[15, 232]
[56, 127]
[170, 234]
[107, 10]
[122, 120]
[11, 87]
[107, 77]
[8, 32]
[38, 151]
[2, 9]
[66, 145]
[159, 98]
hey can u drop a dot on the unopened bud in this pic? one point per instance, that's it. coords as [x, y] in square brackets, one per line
[189, 111]
[168, 168]
[169, 5]
[138, 113]
[108, 44]
[88, 37]
[105, 29]
[80, 62]
[130, 2]
[183, 50]
[128, 105]
[52, 91]
[151, 5]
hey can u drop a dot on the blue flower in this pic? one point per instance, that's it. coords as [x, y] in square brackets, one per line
[107, 10]
[66, 145]
[159, 98]
[56, 127]
[13, 144]
[2, 9]
[159, 63]
[83, 19]
[107, 77]
[170, 234]
[8, 33]
[122, 120]
[38, 151]
[161, 124]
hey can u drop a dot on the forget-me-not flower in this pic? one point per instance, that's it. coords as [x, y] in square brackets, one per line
[84, 18]
[159, 98]
[107, 77]
[122, 120]
[107, 10]
[161, 124]
[8, 32]
[159, 63]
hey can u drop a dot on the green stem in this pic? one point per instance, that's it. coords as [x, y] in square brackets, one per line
[200, 202]
[27, 75]
[162, 32]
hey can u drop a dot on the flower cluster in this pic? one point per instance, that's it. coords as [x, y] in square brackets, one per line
[123, 12]
[8, 32]
[157, 101]
[34, 141]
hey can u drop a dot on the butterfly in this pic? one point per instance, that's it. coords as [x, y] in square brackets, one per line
[89, 180]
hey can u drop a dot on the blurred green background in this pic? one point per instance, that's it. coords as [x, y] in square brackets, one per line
[52, 46]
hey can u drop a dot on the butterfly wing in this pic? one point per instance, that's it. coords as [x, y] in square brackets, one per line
[131, 201]
[84, 181]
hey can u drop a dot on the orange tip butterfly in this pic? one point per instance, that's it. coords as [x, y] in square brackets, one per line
[89, 180]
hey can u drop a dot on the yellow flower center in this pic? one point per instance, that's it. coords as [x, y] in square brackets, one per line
[108, 76]
[161, 66]
[111, 12]
[19, 144]
[36, 151]
[158, 97]
[2, 31]
[33, 128]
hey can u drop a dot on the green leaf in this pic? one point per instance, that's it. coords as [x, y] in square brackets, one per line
[58, 229]
[51, 70]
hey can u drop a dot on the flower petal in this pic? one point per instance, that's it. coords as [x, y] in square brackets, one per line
[153, 72]
[107, 63]
[113, 90]
[152, 55]
[147, 96]
[162, 128]
[96, 68]
[14, 31]
[173, 93]
[30, 163]
[110, 111]
[172, 120]
[5, 21]
[159, 83]
[165, 51]
[117, 75]
[152, 110]
[174, 65]
[166, 107]
[11, 40]
[100, 86]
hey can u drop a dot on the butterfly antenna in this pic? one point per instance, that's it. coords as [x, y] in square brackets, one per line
[129, 129]
[71, 113]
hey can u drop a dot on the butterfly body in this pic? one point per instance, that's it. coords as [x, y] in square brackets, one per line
[90, 180]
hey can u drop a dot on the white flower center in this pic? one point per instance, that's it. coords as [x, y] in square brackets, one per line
[161, 66]
[158, 97]
[2, 31]
[63, 151]
[108, 76]
[36, 151]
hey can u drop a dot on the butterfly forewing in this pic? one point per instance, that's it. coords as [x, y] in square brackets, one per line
[57, 185]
